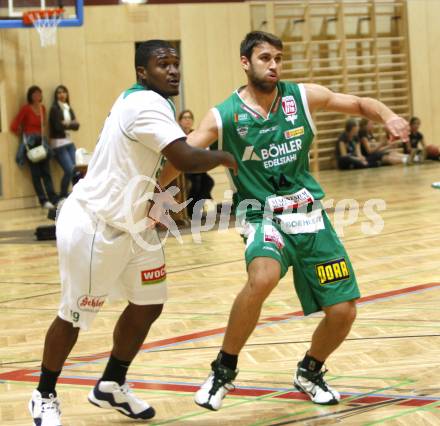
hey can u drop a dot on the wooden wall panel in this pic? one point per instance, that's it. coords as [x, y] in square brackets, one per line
[107, 24]
[73, 74]
[96, 63]
[17, 67]
[195, 71]
[223, 55]
[154, 22]
[45, 66]
[18, 76]
[110, 71]
[5, 165]
[433, 46]
[210, 53]
[424, 43]
[218, 53]
[239, 25]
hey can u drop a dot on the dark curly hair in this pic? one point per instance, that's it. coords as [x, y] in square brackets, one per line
[31, 91]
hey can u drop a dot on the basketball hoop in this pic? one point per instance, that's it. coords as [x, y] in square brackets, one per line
[46, 22]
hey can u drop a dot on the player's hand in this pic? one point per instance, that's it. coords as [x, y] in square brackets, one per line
[398, 128]
[161, 205]
[158, 206]
[229, 161]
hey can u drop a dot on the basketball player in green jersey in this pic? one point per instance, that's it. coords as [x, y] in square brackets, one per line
[267, 126]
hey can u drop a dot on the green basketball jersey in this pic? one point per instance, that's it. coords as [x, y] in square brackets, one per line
[272, 152]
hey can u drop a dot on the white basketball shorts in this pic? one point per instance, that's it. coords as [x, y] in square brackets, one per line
[99, 262]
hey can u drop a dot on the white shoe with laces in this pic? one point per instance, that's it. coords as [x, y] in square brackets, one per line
[216, 386]
[112, 395]
[314, 385]
[45, 411]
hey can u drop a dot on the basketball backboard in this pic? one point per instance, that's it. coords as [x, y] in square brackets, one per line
[11, 12]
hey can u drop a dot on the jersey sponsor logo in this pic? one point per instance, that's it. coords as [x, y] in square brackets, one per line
[292, 201]
[240, 117]
[90, 303]
[243, 131]
[268, 130]
[293, 133]
[250, 154]
[279, 161]
[271, 235]
[153, 276]
[289, 105]
[276, 151]
[301, 223]
[279, 154]
[275, 155]
[332, 271]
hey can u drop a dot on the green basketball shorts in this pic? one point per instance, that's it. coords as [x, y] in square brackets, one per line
[322, 271]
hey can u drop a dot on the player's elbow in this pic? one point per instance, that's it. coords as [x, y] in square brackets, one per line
[185, 158]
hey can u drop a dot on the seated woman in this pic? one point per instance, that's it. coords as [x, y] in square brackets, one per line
[372, 150]
[378, 153]
[348, 149]
[417, 146]
[395, 151]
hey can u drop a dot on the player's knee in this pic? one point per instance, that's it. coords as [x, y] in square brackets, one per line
[342, 314]
[351, 313]
[261, 286]
[155, 312]
[145, 314]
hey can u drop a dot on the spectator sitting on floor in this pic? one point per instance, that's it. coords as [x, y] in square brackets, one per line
[201, 183]
[372, 150]
[396, 149]
[417, 147]
[377, 153]
[348, 149]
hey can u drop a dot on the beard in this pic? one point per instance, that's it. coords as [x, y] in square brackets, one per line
[261, 84]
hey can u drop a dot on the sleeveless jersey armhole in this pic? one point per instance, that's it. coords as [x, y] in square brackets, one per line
[302, 91]
[218, 120]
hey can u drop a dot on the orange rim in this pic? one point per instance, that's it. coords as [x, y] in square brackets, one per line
[32, 15]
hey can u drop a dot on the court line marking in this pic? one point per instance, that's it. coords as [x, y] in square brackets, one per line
[429, 407]
[31, 375]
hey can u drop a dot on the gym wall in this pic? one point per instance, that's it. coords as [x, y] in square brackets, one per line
[96, 63]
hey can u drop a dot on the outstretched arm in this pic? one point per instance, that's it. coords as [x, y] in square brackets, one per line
[186, 158]
[319, 97]
[205, 135]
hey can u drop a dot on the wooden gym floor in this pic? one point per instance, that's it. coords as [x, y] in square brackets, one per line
[387, 370]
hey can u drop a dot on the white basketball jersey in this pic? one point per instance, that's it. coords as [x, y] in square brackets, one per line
[140, 125]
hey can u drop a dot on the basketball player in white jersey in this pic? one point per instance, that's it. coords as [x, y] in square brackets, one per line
[98, 256]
